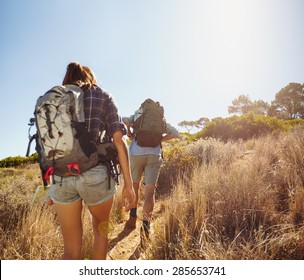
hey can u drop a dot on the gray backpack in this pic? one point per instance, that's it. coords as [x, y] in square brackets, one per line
[63, 142]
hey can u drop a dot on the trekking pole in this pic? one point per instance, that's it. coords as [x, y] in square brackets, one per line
[31, 137]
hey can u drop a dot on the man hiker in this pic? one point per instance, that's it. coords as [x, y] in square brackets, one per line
[147, 128]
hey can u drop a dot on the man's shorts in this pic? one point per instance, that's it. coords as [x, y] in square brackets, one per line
[93, 186]
[149, 165]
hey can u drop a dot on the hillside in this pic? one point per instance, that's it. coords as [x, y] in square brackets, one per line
[215, 200]
[17, 185]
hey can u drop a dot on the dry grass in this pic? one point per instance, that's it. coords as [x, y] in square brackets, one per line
[239, 200]
[31, 231]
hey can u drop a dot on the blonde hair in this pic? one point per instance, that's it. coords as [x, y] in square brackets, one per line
[91, 74]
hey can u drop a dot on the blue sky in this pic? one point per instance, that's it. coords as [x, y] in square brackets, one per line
[194, 56]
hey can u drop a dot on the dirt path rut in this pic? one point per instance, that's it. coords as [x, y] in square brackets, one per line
[124, 243]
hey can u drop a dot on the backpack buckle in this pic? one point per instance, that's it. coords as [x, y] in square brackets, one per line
[74, 169]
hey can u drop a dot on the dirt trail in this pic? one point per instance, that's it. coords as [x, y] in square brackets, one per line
[125, 244]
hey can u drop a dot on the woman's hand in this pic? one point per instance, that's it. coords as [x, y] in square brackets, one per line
[128, 197]
[128, 194]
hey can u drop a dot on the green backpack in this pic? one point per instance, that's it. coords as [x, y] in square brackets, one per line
[150, 124]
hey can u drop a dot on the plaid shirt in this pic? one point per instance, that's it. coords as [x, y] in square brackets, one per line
[101, 113]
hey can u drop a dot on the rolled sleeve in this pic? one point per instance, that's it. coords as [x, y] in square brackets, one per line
[129, 121]
[172, 131]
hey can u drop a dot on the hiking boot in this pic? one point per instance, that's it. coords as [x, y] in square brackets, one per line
[131, 223]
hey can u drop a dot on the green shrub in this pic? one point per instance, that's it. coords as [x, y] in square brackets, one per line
[245, 127]
[17, 161]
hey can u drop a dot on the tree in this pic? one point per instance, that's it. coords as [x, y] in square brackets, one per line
[243, 105]
[189, 125]
[289, 102]
[201, 123]
[240, 105]
[259, 107]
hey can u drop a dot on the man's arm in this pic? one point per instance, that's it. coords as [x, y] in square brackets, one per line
[171, 132]
[167, 137]
[127, 122]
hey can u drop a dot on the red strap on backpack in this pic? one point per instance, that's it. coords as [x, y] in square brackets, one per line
[49, 173]
[73, 169]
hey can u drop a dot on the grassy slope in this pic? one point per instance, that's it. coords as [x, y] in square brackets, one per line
[241, 200]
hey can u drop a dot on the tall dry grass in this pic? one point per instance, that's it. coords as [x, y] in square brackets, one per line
[31, 231]
[235, 201]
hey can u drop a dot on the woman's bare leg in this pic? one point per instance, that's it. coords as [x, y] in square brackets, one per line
[71, 228]
[100, 221]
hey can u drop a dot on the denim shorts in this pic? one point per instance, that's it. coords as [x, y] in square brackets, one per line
[149, 165]
[92, 186]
